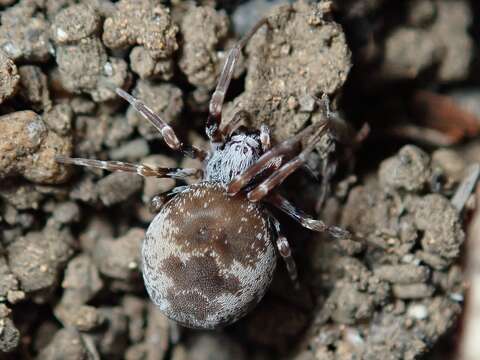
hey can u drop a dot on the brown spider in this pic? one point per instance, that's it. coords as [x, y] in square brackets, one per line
[208, 255]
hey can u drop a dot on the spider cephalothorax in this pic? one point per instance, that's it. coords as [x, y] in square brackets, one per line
[209, 254]
[232, 158]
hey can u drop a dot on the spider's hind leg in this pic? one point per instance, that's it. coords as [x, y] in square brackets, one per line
[306, 220]
[285, 252]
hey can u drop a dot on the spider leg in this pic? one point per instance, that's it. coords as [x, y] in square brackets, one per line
[265, 137]
[286, 253]
[275, 179]
[214, 119]
[157, 201]
[166, 130]
[304, 219]
[328, 170]
[235, 122]
[140, 169]
[286, 147]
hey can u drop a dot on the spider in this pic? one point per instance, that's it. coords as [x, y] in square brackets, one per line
[209, 254]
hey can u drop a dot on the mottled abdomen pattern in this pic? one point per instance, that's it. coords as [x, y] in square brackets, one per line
[208, 258]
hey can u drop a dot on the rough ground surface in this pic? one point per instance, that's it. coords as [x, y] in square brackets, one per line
[402, 279]
[304, 54]
[70, 281]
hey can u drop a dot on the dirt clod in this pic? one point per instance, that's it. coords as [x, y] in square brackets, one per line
[443, 234]
[145, 66]
[80, 317]
[8, 283]
[164, 99]
[66, 344]
[59, 119]
[9, 77]
[302, 53]
[74, 23]
[9, 335]
[412, 291]
[144, 22]
[81, 281]
[85, 67]
[118, 187]
[24, 33]
[120, 258]
[408, 170]
[205, 346]
[33, 87]
[28, 148]
[203, 30]
[402, 274]
[37, 258]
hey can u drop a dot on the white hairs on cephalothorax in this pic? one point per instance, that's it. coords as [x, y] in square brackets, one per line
[236, 156]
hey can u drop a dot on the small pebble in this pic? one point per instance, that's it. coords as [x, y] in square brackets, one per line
[131, 151]
[9, 335]
[66, 344]
[409, 169]
[9, 77]
[34, 88]
[81, 281]
[412, 291]
[80, 317]
[132, 23]
[417, 311]
[402, 274]
[120, 258]
[117, 187]
[28, 148]
[37, 258]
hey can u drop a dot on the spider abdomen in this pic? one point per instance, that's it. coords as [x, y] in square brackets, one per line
[208, 258]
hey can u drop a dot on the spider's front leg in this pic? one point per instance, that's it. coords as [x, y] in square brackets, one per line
[275, 179]
[213, 130]
[140, 169]
[166, 130]
[284, 149]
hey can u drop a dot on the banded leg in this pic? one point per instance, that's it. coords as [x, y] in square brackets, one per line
[328, 170]
[140, 169]
[157, 202]
[306, 220]
[265, 138]
[286, 253]
[166, 130]
[214, 119]
[287, 147]
[260, 191]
